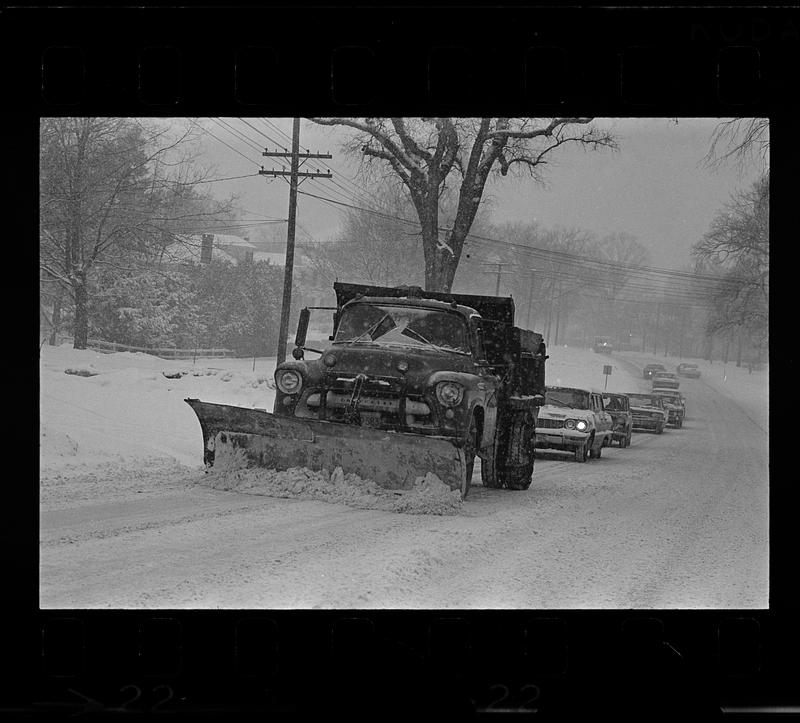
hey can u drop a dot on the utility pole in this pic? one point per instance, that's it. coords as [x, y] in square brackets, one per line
[658, 317]
[530, 300]
[294, 173]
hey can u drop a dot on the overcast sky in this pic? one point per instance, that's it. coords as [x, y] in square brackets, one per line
[654, 187]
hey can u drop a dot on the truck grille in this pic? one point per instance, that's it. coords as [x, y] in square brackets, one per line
[550, 423]
[379, 403]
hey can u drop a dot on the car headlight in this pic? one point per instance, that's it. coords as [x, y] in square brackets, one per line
[449, 394]
[289, 381]
[569, 424]
[581, 426]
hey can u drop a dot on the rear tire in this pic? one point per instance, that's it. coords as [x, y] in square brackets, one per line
[490, 475]
[520, 456]
[659, 429]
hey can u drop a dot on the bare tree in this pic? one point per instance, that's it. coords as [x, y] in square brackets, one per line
[431, 155]
[112, 190]
[737, 247]
[739, 140]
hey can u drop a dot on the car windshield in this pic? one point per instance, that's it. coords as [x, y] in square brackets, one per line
[573, 398]
[402, 325]
[642, 400]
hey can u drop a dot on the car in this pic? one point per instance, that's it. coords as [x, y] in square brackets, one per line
[603, 345]
[647, 412]
[651, 369]
[665, 380]
[674, 404]
[687, 369]
[574, 421]
[618, 406]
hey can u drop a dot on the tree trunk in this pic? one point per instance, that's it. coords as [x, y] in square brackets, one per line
[56, 320]
[81, 331]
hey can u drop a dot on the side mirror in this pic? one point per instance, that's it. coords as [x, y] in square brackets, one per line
[302, 327]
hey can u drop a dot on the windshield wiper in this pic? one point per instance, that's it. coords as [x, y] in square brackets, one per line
[409, 331]
[369, 331]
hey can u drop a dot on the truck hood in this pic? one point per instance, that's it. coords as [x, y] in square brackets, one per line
[382, 360]
[553, 411]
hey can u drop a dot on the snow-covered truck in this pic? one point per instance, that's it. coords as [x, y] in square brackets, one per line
[410, 382]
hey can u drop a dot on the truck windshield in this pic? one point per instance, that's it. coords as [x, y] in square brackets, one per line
[573, 398]
[402, 325]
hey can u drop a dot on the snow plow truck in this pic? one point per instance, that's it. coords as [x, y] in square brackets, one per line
[410, 382]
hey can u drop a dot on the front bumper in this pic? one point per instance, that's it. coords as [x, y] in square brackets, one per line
[648, 422]
[564, 439]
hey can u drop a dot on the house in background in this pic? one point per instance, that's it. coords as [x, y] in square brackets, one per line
[202, 248]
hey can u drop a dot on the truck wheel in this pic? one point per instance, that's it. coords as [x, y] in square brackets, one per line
[469, 452]
[490, 475]
[520, 456]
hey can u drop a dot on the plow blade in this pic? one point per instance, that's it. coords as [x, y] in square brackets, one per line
[393, 460]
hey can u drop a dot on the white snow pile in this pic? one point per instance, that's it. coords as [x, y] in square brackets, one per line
[429, 496]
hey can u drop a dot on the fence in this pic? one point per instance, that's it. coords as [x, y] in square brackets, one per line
[108, 347]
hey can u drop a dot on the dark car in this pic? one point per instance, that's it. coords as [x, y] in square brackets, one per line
[618, 406]
[651, 369]
[687, 369]
[648, 412]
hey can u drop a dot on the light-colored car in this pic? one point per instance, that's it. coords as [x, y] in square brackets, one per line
[648, 412]
[574, 421]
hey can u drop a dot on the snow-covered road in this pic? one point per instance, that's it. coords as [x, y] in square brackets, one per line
[678, 520]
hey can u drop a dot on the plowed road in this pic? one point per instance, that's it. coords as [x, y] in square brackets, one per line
[677, 520]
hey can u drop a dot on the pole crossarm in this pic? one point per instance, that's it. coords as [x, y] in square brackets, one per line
[299, 174]
[277, 154]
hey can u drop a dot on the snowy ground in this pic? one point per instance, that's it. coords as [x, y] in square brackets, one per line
[129, 518]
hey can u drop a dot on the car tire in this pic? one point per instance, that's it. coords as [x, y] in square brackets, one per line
[628, 438]
[660, 429]
[596, 453]
[582, 453]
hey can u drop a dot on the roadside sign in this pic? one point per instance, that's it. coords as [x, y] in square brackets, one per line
[606, 371]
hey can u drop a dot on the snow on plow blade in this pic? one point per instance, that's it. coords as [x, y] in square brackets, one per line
[393, 460]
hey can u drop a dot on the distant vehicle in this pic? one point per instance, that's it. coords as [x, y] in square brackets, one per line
[665, 380]
[687, 369]
[603, 345]
[618, 406]
[674, 404]
[651, 369]
[648, 412]
[573, 421]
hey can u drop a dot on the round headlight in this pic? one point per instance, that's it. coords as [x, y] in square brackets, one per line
[581, 426]
[402, 365]
[449, 393]
[329, 360]
[569, 424]
[289, 381]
